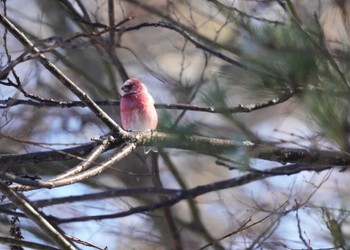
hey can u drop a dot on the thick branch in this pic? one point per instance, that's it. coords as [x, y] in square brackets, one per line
[200, 144]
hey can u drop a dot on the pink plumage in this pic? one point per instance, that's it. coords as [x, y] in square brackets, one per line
[137, 109]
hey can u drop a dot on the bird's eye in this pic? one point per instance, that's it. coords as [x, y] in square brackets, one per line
[126, 87]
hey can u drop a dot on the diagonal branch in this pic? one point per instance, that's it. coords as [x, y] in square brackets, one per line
[36, 217]
[86, 162]
[79, 176]
[61, 76]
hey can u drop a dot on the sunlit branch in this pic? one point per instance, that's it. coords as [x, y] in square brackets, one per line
[87, 162]
[81, 176]
[84, 164]
[83, 242]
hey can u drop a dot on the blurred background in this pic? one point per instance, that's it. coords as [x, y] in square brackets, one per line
[277, 47]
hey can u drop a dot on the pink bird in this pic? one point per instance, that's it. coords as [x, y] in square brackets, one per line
[137, 109]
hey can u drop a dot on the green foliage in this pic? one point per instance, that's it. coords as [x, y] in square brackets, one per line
[291, 57]
[334, 226]
[215, 96]
[330, 113]
[286, 58]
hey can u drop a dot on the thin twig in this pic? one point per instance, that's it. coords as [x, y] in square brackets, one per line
[187, 36]
[240, 108]
[184, 194]
[23, 243]
[301, 237]
[174, 195]
[112, 193]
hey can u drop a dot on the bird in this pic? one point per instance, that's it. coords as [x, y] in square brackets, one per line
[137, 109]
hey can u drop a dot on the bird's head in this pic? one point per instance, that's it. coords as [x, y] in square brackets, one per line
[133, 85]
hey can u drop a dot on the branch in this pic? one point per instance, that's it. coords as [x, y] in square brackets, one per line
[196, 143]
[74, 175]
[36, 217]
[46, 156]
[23, 243]
[240, 108]
[86, 162]
[182, 31]
[179, 195]
[174, 195]
[61, 77]
[111, 193]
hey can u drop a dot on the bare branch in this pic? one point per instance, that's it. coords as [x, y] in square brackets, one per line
[182, 194]
[301, 237]
[80, 176]
[111, 193]
[321, 159]
[52, 155]
[104, 143]
[62, 77]
[188, 37]
[240, 108]
[23, 243]
[36, 217]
